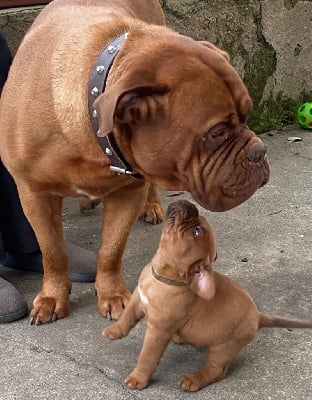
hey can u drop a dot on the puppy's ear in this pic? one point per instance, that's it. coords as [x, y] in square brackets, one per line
[202, 282]
[213, 47]
[125, 104]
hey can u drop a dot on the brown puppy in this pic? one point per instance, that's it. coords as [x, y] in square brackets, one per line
[173, 112]
[184, 299]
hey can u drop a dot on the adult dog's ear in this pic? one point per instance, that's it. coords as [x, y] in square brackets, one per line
[125, 104]
[229, 75]
[202, 281]
[213, 47]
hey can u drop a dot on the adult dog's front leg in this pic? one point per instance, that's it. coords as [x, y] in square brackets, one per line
[44, 214]
[121, 209]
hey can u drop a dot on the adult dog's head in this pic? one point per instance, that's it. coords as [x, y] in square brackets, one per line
[188, 246]
[178, 112]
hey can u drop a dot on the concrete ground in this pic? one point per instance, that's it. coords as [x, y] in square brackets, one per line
[266, 244]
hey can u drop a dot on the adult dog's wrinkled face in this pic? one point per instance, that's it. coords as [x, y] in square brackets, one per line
[189, 245]
[179, 116]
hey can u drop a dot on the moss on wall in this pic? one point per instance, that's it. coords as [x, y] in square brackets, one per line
[260, 65]
[291, 3]
[274, 113]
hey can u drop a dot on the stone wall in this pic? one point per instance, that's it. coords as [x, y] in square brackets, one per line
[269, 42]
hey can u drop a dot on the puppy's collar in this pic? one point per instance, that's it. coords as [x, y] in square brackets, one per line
[97, 83]
[167, 281]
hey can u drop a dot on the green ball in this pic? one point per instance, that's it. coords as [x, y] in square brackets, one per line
[304, 115]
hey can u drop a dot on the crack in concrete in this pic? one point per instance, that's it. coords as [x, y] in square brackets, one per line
[39, 349]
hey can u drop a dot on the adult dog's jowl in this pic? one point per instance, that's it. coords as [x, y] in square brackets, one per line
[103, 99]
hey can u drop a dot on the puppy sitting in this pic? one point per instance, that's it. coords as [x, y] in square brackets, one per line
[184, 299]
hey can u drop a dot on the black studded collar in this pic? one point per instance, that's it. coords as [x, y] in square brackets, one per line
[97, 83]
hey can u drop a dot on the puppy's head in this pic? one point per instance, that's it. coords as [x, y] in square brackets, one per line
[189, 245]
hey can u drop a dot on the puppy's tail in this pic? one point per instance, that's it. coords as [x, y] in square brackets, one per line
[269, 321]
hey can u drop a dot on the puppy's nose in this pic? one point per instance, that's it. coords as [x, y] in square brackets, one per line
[257, 153]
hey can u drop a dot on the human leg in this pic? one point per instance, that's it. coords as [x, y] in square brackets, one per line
[12, 305]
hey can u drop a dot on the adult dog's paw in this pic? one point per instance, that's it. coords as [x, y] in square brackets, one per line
[152, 213]
[112, 307]
[47, 309]
[88, 203]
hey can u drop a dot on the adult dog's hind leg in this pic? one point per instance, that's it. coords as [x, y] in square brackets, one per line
[152, 211]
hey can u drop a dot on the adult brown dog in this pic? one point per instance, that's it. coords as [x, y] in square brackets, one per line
[184, 299]
[175, 108]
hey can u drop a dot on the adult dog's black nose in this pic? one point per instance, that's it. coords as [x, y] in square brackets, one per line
[257, 153]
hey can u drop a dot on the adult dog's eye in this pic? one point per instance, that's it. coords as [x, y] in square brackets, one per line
[219, 132]
[196, 231]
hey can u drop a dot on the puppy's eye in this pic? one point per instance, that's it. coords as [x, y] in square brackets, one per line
[196, 231]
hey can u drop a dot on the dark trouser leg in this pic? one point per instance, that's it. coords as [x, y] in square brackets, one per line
[12, 305]
[5, 61]
[20, 244]
[17, 234]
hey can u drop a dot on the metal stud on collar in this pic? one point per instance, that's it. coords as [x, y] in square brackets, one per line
[111, 49]
[95, 91]
[100, 69]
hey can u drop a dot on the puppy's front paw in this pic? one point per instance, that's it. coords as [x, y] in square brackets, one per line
[133, 381]
[113, 332]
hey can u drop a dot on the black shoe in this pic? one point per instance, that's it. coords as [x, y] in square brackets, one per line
[82, 263]
[12, 305]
